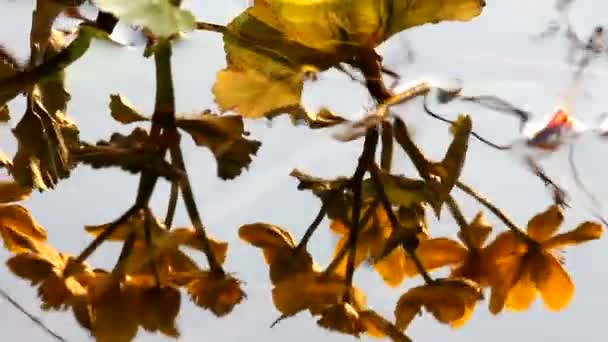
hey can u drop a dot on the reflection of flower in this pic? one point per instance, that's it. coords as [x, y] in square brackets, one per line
[524, 267]
[451, 301]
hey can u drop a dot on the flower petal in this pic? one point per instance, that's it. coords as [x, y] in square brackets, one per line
[543, 225]
[553, 282]
[502, 281]
[521, 296]
[584, 232]
[478, 230]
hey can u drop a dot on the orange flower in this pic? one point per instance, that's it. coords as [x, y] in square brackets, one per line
[526, 265]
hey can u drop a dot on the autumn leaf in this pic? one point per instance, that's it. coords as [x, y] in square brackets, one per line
[158, 309]
[16, 219]
[312, 291]
[279, 250]
[256, 95]
[11, 191]
[219, 293]
[161, 17]
[122, 111]
[225, 137]
[4, 113]
[43, 153]
[451, 301]
[322, 119]
[15, 83]
[131, 153]
[379, 327]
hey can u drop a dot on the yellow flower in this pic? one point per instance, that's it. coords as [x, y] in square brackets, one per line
[476, 264]
[528, 265]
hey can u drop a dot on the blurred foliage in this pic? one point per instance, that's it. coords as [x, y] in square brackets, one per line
[379, 216]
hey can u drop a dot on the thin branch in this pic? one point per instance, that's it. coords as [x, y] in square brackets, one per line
[313, 227]
[386, 156]
[375, 174]
[191, 208]
[126, 250]
[461, 221]
[33, 318]
[494, 209]
[211, 27]
[172, 204]
[148, 217]
[356, 184]
[579, 181]
[428, 111]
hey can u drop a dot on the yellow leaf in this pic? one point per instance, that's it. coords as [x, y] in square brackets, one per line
[543, 225]
[271, 239]
[406, 14]
[553, 282]
[341, 317]
[18, 229]
[122, 111]
[453, 161]
[446, 299]
[11, 191]
[313, 291]
[584, 232]
[362, 252]
[392, 267]
[255, 95]
[379, 327]
[113, 311]
[158, 309]
[436, 253]
[219, 293]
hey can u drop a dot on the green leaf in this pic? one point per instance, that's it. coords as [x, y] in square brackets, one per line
[224, 136]
[122, 111]
[44, 142]
[161, 17]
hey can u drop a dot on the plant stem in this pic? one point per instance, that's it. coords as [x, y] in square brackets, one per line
[126, 250]
[172, 204]
[164, 103]
[367, 157]
[148, 217]
[375, 174]
[105, 234]
[386, 156]
[29, 315]
[461, 221]
[495, 210]
[189, 201]
[411, 149]
[211, 27]
[312, 228]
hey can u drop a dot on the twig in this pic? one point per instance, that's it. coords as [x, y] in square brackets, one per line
[473, 133]
[461, 221]
[313, 227]
[191, 208]
[356, 184]
[375, 174]
[495, 210]
[29, 315]
[105, 234]
[211, 27]
[386, 156]
[579, 181]
[126, 250]
[172, 204]
[148, 216]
